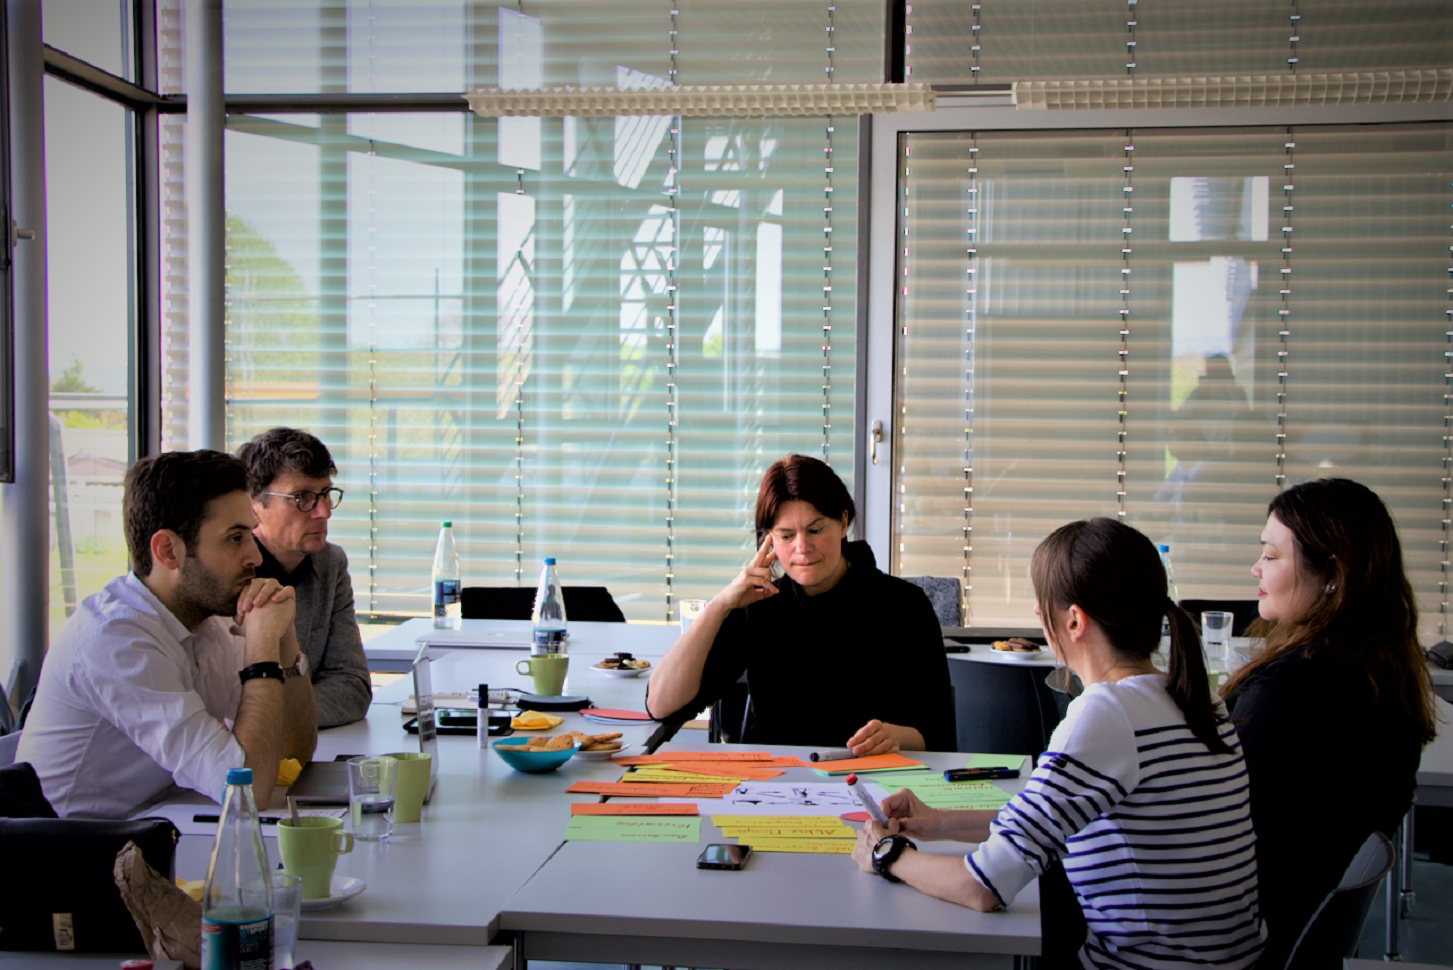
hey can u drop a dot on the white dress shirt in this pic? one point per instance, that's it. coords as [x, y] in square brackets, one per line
[129, 702]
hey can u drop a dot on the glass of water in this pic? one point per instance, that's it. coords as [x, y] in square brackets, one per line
[371, 784]
[287, 902]
[1216, 633]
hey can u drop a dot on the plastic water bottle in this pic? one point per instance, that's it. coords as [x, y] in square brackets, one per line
[1171, 591]
[237, 906]
[548, 616]
[446, 580]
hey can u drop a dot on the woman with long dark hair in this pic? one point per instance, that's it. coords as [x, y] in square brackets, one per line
[1342, 682]
[1142, 794]
[836, 653]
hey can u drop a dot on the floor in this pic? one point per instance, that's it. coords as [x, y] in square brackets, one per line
[1425, 936]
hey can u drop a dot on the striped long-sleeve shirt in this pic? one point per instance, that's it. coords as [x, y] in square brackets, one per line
[1154, 831]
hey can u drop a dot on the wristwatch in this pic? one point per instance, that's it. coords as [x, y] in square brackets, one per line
[299, 668]
[887, 851]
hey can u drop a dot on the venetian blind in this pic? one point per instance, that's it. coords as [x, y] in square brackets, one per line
[583, 338]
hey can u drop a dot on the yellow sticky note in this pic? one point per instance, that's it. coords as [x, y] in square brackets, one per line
[810, 846]
[685, 777]
[288, 770]
[790, 832]
[740, 821]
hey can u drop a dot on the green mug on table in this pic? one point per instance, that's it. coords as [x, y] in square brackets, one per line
[412, 786]
[310, 847]
[547, 670]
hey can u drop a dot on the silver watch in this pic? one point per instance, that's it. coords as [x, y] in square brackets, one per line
[300, 668]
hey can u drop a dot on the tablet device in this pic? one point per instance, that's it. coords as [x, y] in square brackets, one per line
[321, 783]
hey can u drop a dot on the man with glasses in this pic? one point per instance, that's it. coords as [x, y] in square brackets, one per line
[293, 497]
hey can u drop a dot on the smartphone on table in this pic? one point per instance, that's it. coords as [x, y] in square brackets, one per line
[719, 855]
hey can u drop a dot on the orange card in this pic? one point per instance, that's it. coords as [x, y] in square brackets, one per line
[757, 759]
[649, 790]
[876, 762]
[625, 808]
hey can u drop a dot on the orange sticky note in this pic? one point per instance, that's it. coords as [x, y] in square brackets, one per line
[649, 790]
[625, 808]
[876, 762]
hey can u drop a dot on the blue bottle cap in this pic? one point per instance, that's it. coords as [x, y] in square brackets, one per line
[239, 776]
[446, 525]
[549, 560]
[1163, 548]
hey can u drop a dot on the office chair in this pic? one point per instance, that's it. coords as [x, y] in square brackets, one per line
[1333, 931]
[587, 603]
[1245, 612]
[1002, 708]
[945, 595]
[8, 744]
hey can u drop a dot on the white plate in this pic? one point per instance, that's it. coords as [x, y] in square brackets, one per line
[601, 755]
[620, 671]
[1018, 655]
[343, 888]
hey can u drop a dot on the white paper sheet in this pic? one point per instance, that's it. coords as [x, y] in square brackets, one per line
[787, 798]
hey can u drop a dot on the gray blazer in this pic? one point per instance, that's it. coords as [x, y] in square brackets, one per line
[328, 632]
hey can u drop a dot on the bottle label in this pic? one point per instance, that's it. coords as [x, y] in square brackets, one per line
[228, 944]
[446, 594]
[549, 641]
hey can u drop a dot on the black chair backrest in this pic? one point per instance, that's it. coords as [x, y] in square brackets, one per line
[1245, 612]
[1335, 929]
[586, 603]
[1002, 708]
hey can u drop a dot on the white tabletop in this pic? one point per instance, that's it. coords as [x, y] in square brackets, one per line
[781, 911]
[489, 830]
[1435, 772]
[395, 649]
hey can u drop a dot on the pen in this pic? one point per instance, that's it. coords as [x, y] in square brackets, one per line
[837, 754]
[263, 819]
[979, 774]
[867, 801]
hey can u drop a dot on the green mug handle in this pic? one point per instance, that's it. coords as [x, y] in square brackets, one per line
[344, 845]
[526, 671]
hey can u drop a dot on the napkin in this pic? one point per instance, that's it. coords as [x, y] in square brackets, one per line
[288, 770]
[535, 721]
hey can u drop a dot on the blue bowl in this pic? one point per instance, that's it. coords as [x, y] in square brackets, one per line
[518, 757]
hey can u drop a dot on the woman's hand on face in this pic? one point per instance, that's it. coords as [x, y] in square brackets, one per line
[875, 737]
[909, 815]
[868, 836]
[754, 583]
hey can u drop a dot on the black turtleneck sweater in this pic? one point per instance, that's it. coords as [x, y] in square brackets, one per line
[820, 667]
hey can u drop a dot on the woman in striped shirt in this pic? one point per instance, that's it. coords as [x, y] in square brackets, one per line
[1142, 794]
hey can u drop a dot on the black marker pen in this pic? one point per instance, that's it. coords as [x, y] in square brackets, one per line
[979, 774]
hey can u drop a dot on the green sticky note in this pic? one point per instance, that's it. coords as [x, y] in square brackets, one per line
[996, 761]
[633, 828]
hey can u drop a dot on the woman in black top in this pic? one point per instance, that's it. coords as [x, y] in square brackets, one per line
[1334, 713]
[836, 652]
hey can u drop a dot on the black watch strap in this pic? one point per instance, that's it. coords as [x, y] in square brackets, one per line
[885, 856]
[270, 669]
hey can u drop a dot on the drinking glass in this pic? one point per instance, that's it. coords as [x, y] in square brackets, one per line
[690, 610]
[371, 785]
[1216, 633]
[287, 904]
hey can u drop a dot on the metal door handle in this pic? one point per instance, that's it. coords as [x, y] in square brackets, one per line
[875, 436]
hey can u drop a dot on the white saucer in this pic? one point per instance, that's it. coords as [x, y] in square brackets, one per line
[1019, 656]
[343, 889]
[621, 671]
[602, 755]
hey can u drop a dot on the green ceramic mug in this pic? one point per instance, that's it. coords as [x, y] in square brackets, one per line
[547, 670]
[310, 848]
[412, 786]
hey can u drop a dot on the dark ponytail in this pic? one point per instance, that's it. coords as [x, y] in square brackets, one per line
[1186, 680]
[1115, 575]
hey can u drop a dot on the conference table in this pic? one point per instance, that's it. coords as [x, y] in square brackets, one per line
[488, 862]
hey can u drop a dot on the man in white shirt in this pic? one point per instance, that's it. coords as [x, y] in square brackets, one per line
[149, 683]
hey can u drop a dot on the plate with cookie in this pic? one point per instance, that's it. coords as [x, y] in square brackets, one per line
[600, 747]
[622, 665]
[1017, 648]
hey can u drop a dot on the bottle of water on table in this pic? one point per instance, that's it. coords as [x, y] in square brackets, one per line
[548, 616]
[237, 905]
[446, 580]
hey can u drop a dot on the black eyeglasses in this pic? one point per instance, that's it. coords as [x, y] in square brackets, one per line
[307, 501]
